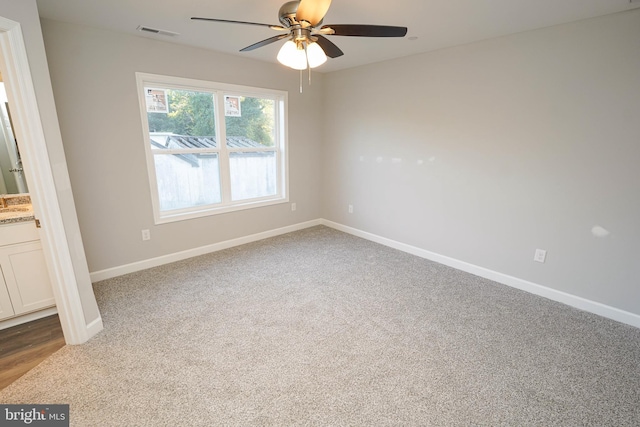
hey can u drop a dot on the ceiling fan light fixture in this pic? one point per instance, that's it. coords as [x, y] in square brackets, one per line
[315, 55]
[297, 56]
[292, 57]
[302, 24]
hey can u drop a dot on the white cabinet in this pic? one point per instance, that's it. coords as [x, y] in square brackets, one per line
[6, 309]
[24, 285]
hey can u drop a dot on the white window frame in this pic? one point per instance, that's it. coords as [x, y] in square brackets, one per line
[218, 90]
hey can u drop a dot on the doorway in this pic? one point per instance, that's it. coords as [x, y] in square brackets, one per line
[39, 172]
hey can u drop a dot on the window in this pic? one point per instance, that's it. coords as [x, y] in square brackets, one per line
[212, 147]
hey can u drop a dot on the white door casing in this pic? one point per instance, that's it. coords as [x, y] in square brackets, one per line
[14, 66]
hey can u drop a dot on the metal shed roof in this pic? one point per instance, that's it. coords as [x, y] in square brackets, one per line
[182, 141]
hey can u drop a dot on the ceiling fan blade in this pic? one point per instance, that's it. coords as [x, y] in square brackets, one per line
[365, 30]
[275, 27]
[264, 42]
[312, 11]
[330, 49]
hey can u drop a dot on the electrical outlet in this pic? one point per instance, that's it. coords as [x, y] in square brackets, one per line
[146, 235]
[293, 206]
[540, 255]
[350, 208]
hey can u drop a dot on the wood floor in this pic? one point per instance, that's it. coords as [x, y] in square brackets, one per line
[25, 346]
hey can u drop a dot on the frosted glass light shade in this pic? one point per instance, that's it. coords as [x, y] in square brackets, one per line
[292, 57]
[315, 55]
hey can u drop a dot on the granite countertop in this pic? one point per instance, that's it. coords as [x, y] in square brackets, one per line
[18, 213]
[15, 208]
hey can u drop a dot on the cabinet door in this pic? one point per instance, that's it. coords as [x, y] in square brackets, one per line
[6, 309]
[27, 277]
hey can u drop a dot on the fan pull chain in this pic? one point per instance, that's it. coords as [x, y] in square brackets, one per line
[306, 55]
[300, 81]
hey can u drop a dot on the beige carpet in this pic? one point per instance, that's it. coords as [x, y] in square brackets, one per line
[321, 328]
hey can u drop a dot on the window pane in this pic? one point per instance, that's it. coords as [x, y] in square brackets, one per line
[250, 122]
[187, 180]
[212, 148]
[252, 174]
[180, 112]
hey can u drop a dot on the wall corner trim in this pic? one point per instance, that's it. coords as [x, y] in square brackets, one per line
[38, 171]
[584, 304]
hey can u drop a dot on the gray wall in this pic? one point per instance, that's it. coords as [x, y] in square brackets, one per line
[500, 147]
[482, 153]
[25, 12]
[93, 75]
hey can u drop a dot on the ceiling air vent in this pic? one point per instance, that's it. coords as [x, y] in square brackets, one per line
[156, 31]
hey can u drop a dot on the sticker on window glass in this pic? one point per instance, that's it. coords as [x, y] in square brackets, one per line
[156, 100]
[232, 106]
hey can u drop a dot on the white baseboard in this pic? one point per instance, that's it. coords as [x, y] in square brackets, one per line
[94, 327]
[179, 256]
[533, 288]
[19, 320]
[91, 329]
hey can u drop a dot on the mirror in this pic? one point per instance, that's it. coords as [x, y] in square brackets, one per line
[12, 180]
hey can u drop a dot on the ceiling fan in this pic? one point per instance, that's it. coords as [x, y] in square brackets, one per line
[307, 46]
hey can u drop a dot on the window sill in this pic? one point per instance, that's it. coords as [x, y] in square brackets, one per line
[212, 211]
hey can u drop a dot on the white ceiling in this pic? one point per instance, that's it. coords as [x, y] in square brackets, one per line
[435, 23]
